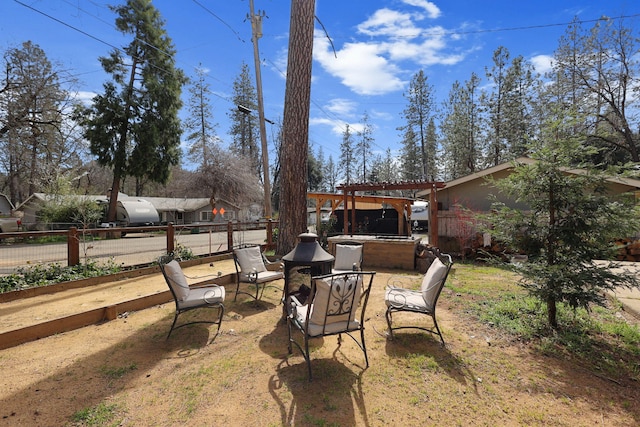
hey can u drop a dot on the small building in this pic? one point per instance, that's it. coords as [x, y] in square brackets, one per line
[6, 207]
[464, 197]
[312, 218]
[195, 210]
[31, 207]
[169, 209]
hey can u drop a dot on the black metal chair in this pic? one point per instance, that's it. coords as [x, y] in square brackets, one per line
[253, 267]
[423, 301]
[334, 302]
[190, 297]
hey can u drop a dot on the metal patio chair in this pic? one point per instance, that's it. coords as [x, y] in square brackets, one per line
[253, 267]
[422, 301]
[190, 297]
[336, 306]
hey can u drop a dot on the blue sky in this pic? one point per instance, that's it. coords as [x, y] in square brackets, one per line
[380, 45]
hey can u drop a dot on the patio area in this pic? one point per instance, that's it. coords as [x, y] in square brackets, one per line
[246, 377]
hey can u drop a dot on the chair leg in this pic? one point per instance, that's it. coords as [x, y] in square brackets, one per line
[175, 319]
[435, 322]
[290, 348]
[364, 347]
[220, 315]
[388, 316]
[237, 290]
[307, 356]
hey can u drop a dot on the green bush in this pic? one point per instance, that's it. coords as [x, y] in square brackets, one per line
[183, 253]
[43, 275]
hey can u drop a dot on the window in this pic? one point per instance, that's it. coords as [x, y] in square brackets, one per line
[205, 216]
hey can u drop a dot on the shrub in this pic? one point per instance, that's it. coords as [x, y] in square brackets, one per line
[43, 275]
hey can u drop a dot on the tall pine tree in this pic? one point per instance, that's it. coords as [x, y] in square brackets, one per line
[133, 127]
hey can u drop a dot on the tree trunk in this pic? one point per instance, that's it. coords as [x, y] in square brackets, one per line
[112, 213]
[552, 312]
[295, 144]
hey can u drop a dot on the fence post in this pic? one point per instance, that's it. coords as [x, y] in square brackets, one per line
[269, 234]
[170, 238]
[73, 247]
[229, 236]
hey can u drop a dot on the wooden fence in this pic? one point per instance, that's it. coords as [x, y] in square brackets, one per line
[76, 238]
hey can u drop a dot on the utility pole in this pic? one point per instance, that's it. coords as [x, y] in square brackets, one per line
[256, 33]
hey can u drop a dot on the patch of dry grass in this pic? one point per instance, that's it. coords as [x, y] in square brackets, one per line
[246, 377]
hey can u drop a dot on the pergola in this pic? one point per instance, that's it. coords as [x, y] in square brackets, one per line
[401, 205]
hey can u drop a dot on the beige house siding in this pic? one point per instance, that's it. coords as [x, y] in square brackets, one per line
[475, 193]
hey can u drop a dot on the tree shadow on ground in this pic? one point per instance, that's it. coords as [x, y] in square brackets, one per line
[327, 400]
[90, 380]
[406, 344]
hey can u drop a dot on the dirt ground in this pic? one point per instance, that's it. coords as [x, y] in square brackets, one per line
[245, 377]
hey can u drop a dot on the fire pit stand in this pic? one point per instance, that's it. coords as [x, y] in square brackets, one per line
[306, 260]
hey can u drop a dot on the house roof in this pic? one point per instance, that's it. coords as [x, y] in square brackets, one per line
[631, 183]
[42, 197]
[5, 205]
[480, 174]
[168, 204]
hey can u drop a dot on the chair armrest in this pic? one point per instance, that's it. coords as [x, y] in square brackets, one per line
[204, 285]
[401, 281]
[295, 301]
[274, 266]
[292, 306]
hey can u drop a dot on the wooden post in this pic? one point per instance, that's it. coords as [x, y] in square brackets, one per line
[73, 247]
[345, 216]
[353, 212]
[433, 216]
[230, 236]
[170, 238]
[270, 234]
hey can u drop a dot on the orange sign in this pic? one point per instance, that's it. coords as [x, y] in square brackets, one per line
[215, 211]
[221, 211]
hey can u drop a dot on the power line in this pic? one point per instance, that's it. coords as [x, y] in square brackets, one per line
[67, 25]
[111, 45]
[534, 27]
[219, 19]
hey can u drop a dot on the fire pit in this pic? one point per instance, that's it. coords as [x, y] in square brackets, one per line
[307, 259]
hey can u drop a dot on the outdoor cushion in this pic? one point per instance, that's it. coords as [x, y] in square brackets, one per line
[206, 295]
[335, 299]
[249, 259]
[346, 256]
[405, 298]
[315, 329]
[435, 274]
[263, 276]
[177, 281]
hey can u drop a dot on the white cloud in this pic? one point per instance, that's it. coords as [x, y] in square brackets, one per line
[337, 126]
[381, 115]
[390, 23]
[432, 10]
[396, 44]
[279, 66]
[341, 106]
[84, 97]
[360, 66]
[542, 63]
[428, 52]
